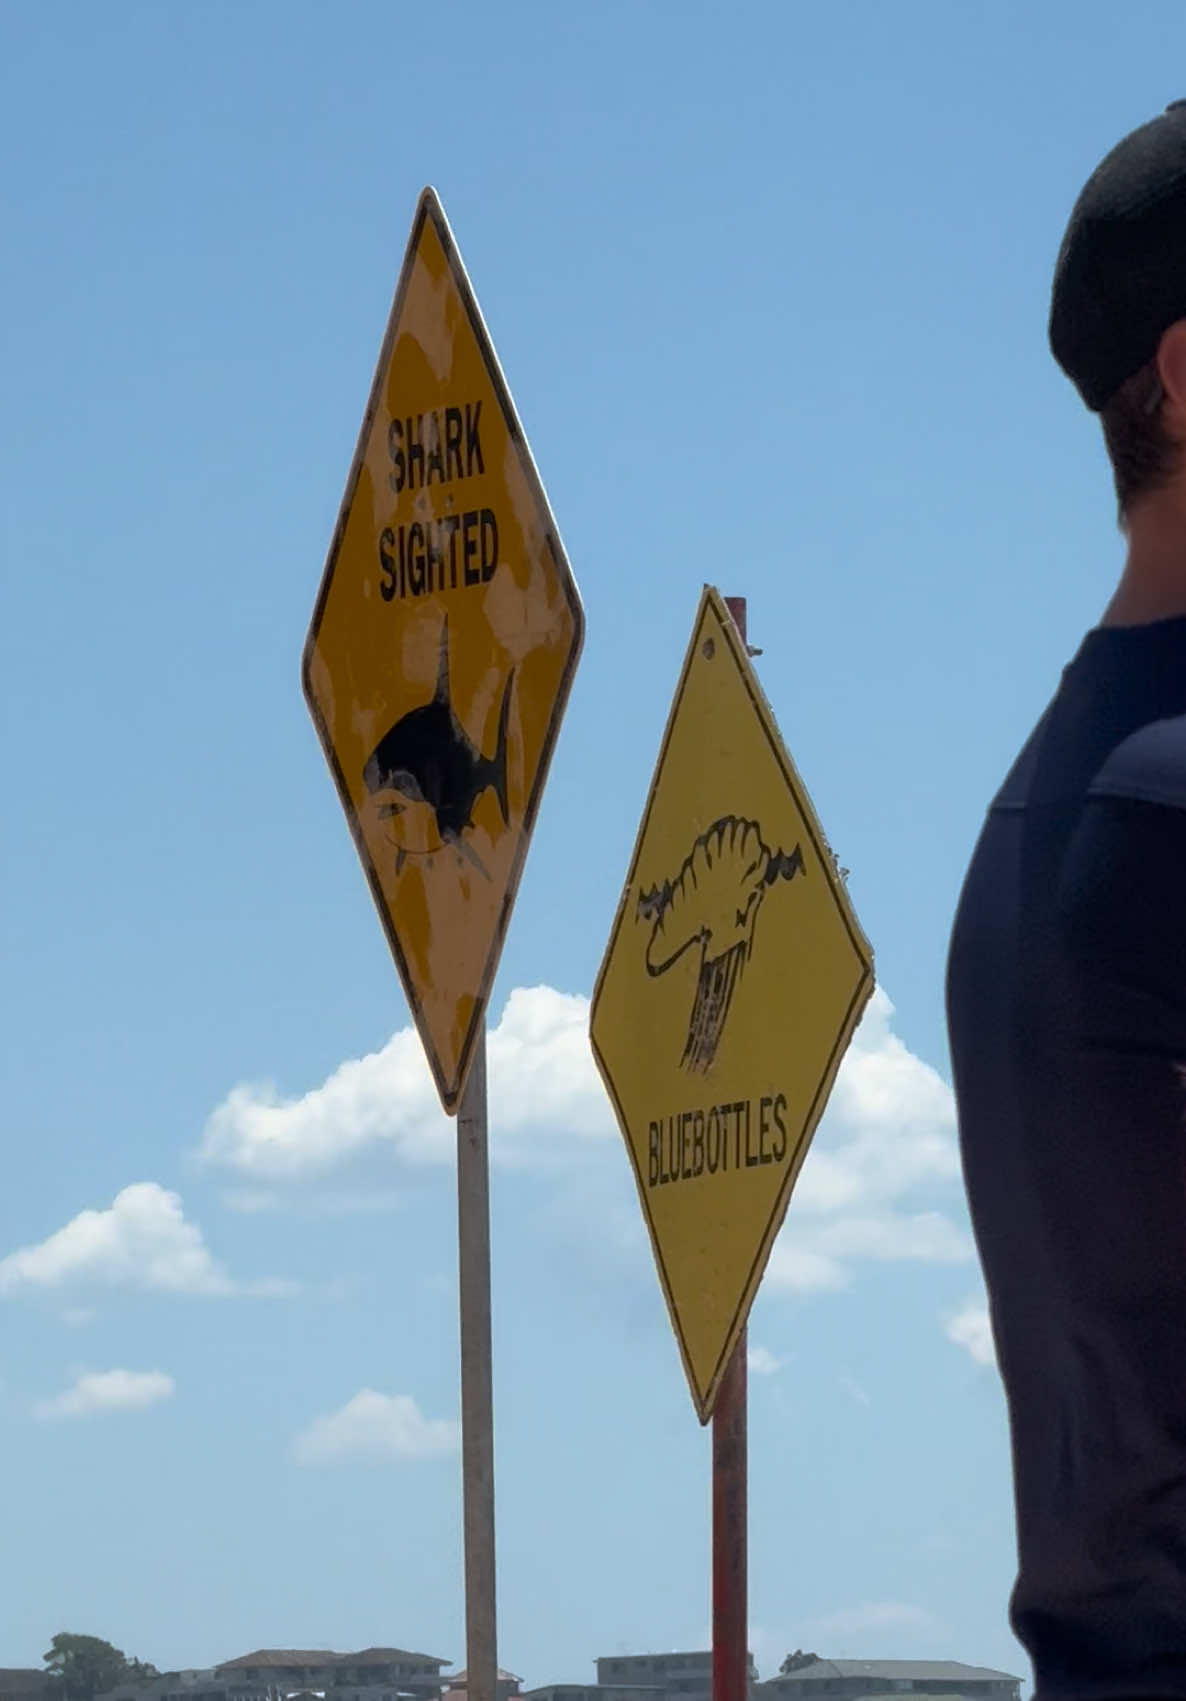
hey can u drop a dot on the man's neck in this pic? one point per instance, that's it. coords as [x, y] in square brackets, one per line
[1153, 583]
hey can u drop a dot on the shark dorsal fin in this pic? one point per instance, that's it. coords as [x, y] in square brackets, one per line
[441, 694]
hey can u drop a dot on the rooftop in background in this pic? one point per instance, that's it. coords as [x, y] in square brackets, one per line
[915, 1671]
[20, 1680]
[281, 1657]
[304, 1657]
[457, 1681]
[596, 1692]
[697, 1654]
[698, 1661]
[394, 1654]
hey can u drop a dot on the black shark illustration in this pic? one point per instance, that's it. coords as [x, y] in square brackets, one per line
[428, 774]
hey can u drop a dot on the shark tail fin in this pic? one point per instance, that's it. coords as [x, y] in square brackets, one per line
[498, 762]
[441, 694]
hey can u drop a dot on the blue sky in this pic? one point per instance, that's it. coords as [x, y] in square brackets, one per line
[769, 283]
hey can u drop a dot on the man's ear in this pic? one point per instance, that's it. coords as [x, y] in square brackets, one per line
[1171, 366]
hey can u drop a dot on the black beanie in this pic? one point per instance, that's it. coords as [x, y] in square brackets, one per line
[1120, 279]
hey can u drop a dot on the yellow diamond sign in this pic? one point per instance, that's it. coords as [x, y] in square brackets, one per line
[442, 647]
[734, 976]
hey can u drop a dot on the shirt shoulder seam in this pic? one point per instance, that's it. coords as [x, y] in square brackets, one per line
[1136, 794]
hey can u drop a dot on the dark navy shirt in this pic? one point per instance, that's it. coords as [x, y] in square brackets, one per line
[1066, 999]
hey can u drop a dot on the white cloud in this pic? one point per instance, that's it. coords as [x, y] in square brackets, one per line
[142, 1241]
[970, 1328]
[761, 1361]
[891, 1122]
[814, 1254]
[854, 1390]
[885, 1144]
[889, 1131]
[542, 1078]
[259, 1201]
[795, 1268]
[874, 1616]
[109, 1391]
[252, 1201]
[376, 1426]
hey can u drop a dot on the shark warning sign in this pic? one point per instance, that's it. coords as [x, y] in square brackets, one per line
[735, 974]
[442, 647]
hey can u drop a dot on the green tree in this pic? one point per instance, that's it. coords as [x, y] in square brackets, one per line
[86, 1666]
[796, 1661]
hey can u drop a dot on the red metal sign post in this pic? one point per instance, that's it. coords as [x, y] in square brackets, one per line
[730, 1652]
[730, 1488]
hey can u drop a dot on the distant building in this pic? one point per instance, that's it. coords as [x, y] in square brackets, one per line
[563, 1692]
[664, 1675]
[593, 1692]
[813, 1679]
[372, 1674]
[642, 1677]
[24, 1683]
[194, 1684]
[688, 1677]
[507, 1685]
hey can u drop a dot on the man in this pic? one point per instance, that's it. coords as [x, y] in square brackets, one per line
[1067, 1005]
